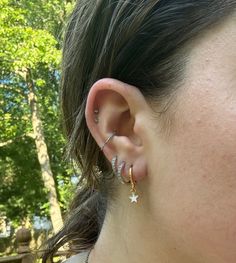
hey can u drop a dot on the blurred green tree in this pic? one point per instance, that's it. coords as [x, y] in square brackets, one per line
[31, 141]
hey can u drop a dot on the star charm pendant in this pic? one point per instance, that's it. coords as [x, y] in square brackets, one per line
[133, 198]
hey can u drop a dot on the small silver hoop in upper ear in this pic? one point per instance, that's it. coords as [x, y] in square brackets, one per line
[108, 139]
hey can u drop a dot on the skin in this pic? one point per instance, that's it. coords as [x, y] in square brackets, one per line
[186, 180]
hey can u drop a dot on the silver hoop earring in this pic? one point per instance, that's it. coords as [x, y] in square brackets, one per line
[107, 140]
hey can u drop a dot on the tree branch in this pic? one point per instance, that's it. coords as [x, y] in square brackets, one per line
[31, 135]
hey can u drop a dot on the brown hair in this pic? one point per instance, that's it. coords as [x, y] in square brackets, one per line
[143, 43]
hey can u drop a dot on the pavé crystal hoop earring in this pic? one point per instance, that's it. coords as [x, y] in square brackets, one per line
[107, 140]
[113, 164]
[119, 171]
[133, 197]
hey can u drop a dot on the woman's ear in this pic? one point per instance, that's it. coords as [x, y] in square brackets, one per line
[114, 107]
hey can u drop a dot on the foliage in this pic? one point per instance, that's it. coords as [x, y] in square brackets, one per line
[17, 192]
[30, 40]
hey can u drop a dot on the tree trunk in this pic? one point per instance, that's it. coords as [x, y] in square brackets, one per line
[43, 157]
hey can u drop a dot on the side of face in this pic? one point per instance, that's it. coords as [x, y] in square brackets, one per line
[193, 171]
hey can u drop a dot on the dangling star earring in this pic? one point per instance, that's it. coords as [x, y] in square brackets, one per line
[133, 197]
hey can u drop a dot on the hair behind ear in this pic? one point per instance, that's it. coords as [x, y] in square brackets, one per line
[83, 225]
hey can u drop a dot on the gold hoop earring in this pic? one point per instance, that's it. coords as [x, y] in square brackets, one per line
[133, 197]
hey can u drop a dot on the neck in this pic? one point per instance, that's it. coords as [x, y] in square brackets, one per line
[130, 234]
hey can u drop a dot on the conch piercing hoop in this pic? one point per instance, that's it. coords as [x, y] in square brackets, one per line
[133, 197]
[96, 112]
[108, 139]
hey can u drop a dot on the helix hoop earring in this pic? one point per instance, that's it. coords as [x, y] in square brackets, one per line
[133, 197]
[107, 140]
